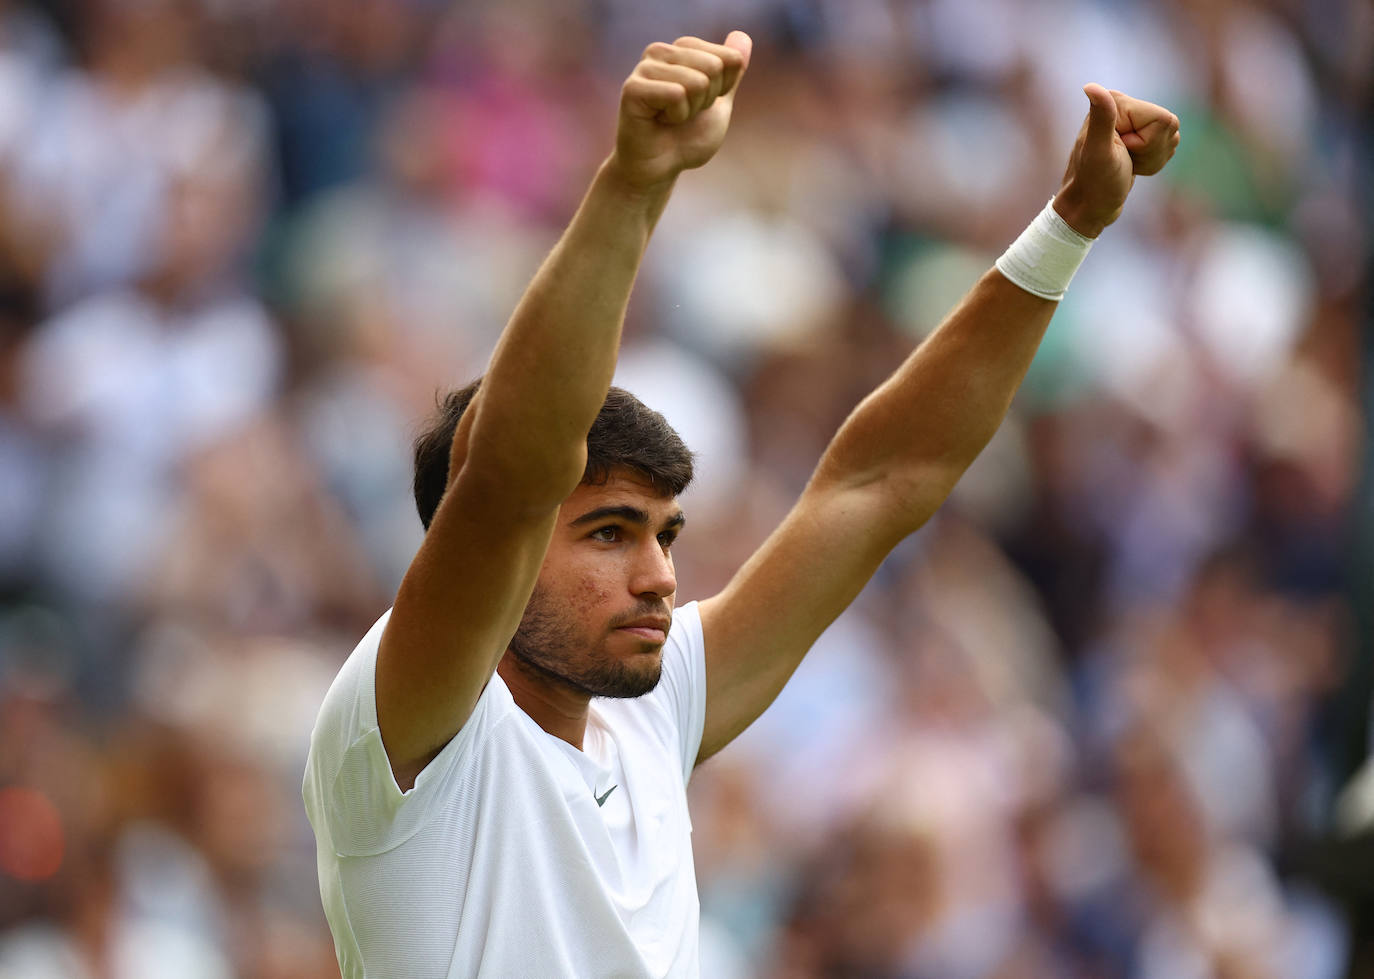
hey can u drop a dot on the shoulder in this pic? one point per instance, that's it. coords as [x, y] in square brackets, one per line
[348, 714]
[350, 707]
[349, 787]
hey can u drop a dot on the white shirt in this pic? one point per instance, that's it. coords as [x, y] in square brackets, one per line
[499, 861]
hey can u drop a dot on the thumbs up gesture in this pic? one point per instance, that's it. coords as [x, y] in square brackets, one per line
[675, 107]
[1120, 138]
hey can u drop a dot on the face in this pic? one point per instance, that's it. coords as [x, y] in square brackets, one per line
[601, 609]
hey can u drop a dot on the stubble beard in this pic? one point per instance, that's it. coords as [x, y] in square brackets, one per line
[547, 645]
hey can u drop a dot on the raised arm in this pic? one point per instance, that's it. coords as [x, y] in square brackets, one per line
[520, 447]
[899, 454]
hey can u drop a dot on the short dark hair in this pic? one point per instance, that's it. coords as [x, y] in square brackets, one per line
[627, 434]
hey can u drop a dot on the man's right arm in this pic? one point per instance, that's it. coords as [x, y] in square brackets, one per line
[520, 448]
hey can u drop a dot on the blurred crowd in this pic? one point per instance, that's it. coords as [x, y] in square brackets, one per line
[1078, 726]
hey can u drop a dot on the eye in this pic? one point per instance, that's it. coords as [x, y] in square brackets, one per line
[608, 534]
[666, 539]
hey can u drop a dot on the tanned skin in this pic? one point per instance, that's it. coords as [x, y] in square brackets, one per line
[567, 587]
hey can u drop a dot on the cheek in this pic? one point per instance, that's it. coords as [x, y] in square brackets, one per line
[591, 584]
[589, 591]
[590, 595]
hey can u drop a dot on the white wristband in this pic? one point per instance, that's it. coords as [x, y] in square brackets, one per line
[1046, 255]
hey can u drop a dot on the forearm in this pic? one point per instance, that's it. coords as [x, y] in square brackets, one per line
[526, 429]
[554, 362]
[916, 434]
[889, 467]
[918, 431]
[901, 451]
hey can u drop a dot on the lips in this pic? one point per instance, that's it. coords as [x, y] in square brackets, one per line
[651, 629]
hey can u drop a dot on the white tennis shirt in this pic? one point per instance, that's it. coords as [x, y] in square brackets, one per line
[499, 861]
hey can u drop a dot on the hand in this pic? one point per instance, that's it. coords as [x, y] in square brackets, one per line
[675, 108]
[1121, 137]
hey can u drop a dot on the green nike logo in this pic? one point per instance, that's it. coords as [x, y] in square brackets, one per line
[601, 799]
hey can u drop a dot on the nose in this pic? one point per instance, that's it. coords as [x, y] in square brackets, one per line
[654, 575]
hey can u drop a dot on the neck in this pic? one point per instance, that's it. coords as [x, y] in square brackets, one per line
[554, 705]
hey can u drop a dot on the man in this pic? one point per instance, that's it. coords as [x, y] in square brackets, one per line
[497, 776]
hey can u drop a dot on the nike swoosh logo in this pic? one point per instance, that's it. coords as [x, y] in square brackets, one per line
[601, 799]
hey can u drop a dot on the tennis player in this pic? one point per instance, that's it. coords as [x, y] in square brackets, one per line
[497, 776]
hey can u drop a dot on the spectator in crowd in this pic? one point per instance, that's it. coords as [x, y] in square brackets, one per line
[230, 233]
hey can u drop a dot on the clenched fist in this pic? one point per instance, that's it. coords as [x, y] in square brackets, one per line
[1120, 138]
[675, 107]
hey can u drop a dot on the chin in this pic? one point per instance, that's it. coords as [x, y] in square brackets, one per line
[634, 680]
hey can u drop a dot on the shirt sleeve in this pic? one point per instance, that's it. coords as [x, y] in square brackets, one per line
[682, 688]
[350, 792]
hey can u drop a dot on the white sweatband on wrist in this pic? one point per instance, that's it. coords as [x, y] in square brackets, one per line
[1046, 255]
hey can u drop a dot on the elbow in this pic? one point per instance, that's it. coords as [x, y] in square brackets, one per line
[535, 480]
[499, 477]
[918, 491]
[915, 493]
[910, 491]
[889, 505]
[528, 463]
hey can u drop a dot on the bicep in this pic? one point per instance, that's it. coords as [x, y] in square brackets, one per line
[758, 628]
[460, 602]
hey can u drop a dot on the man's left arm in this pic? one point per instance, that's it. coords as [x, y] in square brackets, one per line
[900, 452]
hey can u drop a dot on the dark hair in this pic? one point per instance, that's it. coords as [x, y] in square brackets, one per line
[627, 434]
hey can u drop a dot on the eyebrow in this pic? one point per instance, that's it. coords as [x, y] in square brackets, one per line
[629, 514]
